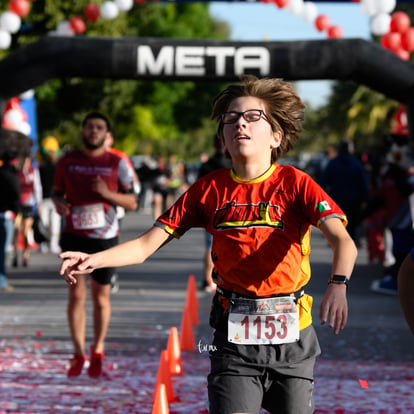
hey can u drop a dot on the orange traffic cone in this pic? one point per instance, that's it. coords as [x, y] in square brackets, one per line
[174, 353]
[161, 401]
[187, 334]
[164, 377]
[191, 299]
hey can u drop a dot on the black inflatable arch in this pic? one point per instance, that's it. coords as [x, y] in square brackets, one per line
[169, 59]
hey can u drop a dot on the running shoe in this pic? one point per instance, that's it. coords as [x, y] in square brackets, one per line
[76, 365]
[386, 286]
[95, 366]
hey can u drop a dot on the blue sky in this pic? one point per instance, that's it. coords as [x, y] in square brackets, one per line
[258, 21]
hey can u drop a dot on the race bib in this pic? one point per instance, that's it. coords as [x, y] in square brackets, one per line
[263, 321]
[88, 217]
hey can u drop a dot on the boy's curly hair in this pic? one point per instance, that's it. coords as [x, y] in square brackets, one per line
[283, 107]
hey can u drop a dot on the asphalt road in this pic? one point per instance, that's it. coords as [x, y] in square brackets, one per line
[151, 298]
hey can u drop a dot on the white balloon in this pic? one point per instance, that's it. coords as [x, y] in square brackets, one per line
[27, 94]
[386, 6]
[64, 29]
[109, 10]
[5, 39]
[13, 117]
[380, 24]
[295, 6]
[10, 22]
[369, 7]
[124, 5]
[24, 128]
[309, 11]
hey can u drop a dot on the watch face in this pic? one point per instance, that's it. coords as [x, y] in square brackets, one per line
[339, 279]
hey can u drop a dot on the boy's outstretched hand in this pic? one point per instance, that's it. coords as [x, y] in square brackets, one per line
[75, 264]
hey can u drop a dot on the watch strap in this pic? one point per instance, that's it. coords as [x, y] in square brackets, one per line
[339, 280]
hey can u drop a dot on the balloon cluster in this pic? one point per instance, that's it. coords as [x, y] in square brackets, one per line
[308, 11]
[10, 20]
[108, 10]
[394, 28]
[400, 37]
[14, 117]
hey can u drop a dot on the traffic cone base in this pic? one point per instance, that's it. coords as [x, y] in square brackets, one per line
[161, 401]
[164, 377]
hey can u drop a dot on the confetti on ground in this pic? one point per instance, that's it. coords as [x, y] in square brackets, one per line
[33, 381]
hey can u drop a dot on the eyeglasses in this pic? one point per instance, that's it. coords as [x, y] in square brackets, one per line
[251, 115]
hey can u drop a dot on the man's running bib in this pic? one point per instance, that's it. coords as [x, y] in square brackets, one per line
[91, 216]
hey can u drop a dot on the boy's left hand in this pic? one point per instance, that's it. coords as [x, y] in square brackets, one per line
[334, 307]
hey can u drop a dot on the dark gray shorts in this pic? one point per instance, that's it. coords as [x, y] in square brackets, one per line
[244, 378]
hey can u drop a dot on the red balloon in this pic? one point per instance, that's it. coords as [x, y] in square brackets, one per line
[335, 32]
[400, 22]
[140, 1]
[403, 54]
[77, 24]
[391, 41]
[20, 7]
[322, 22]
[281, 3]
[407, 40]
[92, 12]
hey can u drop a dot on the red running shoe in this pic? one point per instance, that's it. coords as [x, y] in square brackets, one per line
[76, 365]
[95, 366]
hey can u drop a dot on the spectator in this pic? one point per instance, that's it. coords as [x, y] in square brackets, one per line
[49, 156]
[393, 197]
[345, 180]
[160, 186]
[30, 202]
[9, 208]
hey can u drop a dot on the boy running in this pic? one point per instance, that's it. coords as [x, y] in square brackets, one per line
[260, 215]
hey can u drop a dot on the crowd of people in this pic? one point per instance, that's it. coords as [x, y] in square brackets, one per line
[247, 203]
[374, 191]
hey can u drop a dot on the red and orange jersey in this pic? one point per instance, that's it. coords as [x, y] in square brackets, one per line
[261, 228]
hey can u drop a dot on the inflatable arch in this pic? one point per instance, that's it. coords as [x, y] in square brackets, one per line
[358, 60]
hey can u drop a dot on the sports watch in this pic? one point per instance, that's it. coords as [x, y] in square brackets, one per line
[339, 280]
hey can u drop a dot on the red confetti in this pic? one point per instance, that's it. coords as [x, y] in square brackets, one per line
[363, 383]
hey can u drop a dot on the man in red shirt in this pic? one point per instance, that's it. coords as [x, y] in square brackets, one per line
[88, 186]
